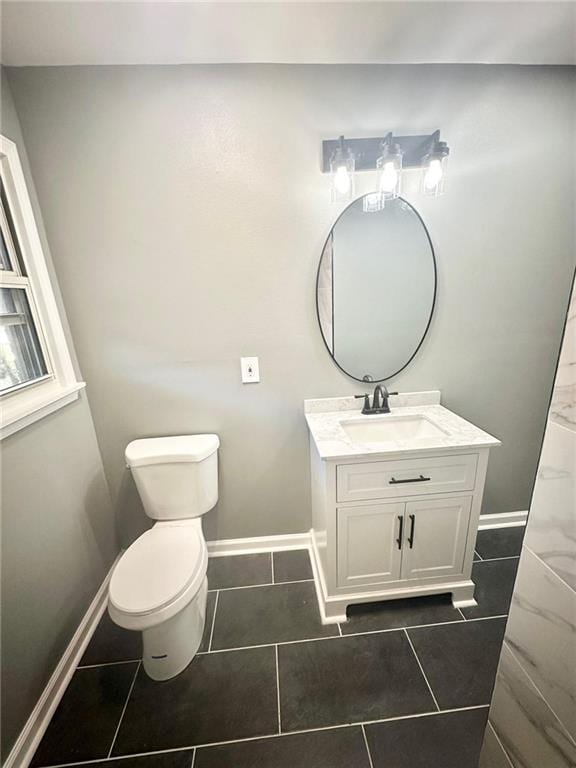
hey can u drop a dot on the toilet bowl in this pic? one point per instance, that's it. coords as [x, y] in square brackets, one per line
[159, 585]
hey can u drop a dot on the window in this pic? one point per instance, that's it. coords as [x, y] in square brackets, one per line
[36, 372]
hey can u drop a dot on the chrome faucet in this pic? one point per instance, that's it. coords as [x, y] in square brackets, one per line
[379, 400]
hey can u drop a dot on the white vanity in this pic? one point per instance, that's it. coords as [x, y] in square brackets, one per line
[396, 500]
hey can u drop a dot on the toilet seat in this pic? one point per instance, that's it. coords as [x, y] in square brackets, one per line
[158, 575]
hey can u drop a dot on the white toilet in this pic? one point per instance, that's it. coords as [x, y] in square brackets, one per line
[159, 585]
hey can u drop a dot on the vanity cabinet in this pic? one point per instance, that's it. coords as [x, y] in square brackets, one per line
[395, 528]
[395, 516]
[402, 540]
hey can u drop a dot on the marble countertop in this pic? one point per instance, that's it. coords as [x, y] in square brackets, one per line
[325, 417]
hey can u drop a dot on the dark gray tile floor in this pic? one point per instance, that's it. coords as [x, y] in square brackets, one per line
[112, 643]
[494, 581]
[181, 759]
[454, 739]
[274, 614]
[85, 722]
[500, 542]
[291, 566]
[219, 697]
[460, 660]
[338, 748]
[352, 679]
[239, 571]
[280, 689]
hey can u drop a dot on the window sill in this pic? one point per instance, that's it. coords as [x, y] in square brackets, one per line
[18, 416]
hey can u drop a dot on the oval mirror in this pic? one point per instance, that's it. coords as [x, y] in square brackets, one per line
[376, 288]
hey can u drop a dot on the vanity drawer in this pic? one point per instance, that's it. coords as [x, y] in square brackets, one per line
[405, 477]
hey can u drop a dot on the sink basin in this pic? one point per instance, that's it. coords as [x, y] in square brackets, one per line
[377, 430]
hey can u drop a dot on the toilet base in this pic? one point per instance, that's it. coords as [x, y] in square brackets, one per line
[169, 647]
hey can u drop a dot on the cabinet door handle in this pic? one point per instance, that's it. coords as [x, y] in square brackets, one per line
[412, 526]
[400, 531]
[420, 479]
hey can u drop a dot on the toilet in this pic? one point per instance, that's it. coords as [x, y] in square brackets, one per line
[159, 586]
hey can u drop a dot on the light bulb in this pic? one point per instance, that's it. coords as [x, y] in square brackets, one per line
[342, 165]
[433, 175]
[342, 180]
[389, 166]
[389, 177]
[434, 169]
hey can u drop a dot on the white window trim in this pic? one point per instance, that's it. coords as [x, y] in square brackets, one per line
[23, 407]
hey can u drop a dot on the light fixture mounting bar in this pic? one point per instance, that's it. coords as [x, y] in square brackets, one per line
[367, 151]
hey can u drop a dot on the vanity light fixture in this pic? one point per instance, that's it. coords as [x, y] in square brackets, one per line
[434, 171]
[389, 166]
[342, 165]
[390, 156]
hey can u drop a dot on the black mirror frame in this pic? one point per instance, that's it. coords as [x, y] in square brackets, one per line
[435, 293]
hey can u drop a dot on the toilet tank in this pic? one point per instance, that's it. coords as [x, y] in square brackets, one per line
[176, 477]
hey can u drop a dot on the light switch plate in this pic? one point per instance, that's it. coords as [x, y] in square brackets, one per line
[250, 370]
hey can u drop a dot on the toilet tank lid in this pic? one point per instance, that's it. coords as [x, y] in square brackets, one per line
[168, 450]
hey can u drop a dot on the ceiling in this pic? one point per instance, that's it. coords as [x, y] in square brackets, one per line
[172, 32]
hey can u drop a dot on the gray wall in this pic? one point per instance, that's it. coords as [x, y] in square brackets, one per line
[533, 712]
[186, 212]
[58, 538]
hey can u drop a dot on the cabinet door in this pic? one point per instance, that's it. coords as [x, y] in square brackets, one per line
[369, 544]
[435, 537]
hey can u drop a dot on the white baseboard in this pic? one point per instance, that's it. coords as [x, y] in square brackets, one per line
[23, 750]
[246, 546]
[502, 520]
[258, 544]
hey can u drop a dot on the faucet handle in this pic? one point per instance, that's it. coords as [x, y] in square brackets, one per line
[366, 397]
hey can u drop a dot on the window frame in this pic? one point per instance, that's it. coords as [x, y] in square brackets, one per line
[25, 403]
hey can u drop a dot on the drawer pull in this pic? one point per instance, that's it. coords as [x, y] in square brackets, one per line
[420, 479]
[400, 531]
[412, 526]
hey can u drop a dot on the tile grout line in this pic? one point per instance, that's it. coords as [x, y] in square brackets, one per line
[266, 584]
[367, 747]
[464, 620]
[108, 664]
[124, 708]
[495, 559]
[193, 758]
[272, 567]
[213, 622]
[278, 691]
[355, 634]
[338, 726]
[422, 670]
[478, 555]
[461, 614]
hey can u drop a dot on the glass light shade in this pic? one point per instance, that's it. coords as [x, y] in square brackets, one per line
[342, 165]
[372, 203]
[434, 175]
[389, 166]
